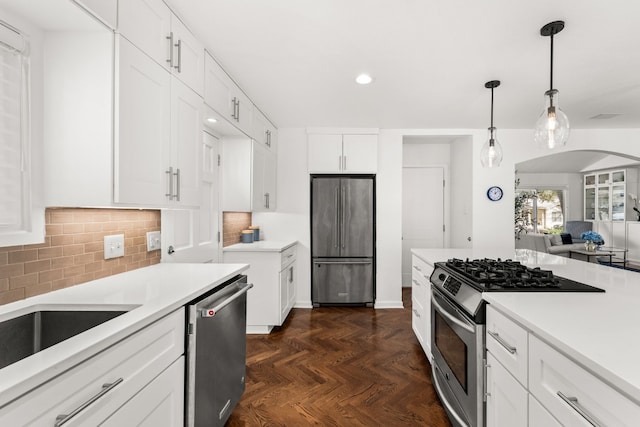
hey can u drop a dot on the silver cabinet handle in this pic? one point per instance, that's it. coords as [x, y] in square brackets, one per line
[416, 312]
[170, 173]
[266, 200]
[417, 268]
[170, 38]
[343, 203]
[573, 402]
[339, 163]
[344, 163]
[211, 312]
[342, 262]
[233, 114]
[238, 110]
[179, 66]
[177, 195]
[416, 282]
[106, 388]
[511, 349]
[291, 274]
[485, 379]
[337, 236]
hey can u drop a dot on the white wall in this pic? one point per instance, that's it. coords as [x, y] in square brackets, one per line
[460, 177]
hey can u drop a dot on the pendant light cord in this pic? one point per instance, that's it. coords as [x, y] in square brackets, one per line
[551, 74]
[491, 107]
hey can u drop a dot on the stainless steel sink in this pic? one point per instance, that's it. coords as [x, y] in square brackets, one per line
[30, 333]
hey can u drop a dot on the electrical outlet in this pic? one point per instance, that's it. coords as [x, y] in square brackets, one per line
[153, 241]
[113, 246]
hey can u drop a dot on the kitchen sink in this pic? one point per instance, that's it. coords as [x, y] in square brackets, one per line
[30, 333]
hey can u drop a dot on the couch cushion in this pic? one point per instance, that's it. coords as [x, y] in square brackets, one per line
[566, 239]
[556, 239]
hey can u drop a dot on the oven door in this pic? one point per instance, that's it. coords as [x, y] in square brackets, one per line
[457, 344]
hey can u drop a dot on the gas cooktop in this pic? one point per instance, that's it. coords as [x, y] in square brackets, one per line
[491, 275]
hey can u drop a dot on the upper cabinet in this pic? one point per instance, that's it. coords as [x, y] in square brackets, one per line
[605, 194]
[105, 10]
[264, 132]
[225, 97]
[348, 153]
[153, 28]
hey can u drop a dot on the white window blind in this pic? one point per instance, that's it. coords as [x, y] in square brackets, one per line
[14, 130]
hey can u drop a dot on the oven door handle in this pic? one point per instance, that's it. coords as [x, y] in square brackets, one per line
[452, 411]
[464, 325]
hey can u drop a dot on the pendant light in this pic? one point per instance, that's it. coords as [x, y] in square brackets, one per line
[552, 128]
[491, 153]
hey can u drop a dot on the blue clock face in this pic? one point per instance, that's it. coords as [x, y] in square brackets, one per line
[494, 193]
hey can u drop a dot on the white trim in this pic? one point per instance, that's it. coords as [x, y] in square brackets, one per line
[388, 304]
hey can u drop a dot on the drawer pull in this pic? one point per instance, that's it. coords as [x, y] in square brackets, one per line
[415, 282]
[511, 349]
[106, 388]
[417, 268]
[573, 402]
[416, 312]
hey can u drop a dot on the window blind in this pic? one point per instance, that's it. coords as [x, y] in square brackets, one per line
[14, 130]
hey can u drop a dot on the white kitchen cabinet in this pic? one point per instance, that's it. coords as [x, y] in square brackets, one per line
[506, 398]
[508, 342]
[342, 153]
[605, 195]
[161, 402]
[273, 274]
[193, 234]
[539, 416]
[248, 176]
[223, 95]
[153, 28]
[127, 368]
[158, 130]
[421, 302]
[572, 394]
[264, 132]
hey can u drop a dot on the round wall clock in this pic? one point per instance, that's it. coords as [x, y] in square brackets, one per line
[494, 193]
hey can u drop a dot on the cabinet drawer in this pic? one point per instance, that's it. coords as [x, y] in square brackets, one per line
[421, 270]
[288, 256]
[572, 394]
[137, 360]
[418, 320]
[539, 416]
[508, 342]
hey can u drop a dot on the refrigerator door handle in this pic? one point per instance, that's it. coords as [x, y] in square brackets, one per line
[343, 204]
[364, 262]
[337, 235]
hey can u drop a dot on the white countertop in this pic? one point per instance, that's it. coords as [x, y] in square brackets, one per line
[261, 246]
[597, 330]
[155, 291]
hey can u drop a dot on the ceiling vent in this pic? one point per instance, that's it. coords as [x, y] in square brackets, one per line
[606, 116]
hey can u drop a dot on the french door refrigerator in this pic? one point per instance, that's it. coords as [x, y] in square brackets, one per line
[343, 239]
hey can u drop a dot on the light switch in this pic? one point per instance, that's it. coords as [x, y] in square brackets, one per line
[153, 241]
[113, 246]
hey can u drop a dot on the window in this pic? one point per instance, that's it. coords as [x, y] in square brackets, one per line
[543, 211]
[15, 209]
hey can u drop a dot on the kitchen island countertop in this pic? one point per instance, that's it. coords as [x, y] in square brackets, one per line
[597, 330]
[152, 292]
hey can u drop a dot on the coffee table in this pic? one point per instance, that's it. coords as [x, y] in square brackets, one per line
[596, 253]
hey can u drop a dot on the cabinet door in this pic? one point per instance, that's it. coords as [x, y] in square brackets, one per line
[244, 110]
[188, 57]
[105, 10]
[186, 136]
[258, 165]
[270, 172]
[325, 153]
[147, 24]
[506, 398]
[284, 296]
[539, 416]
[236, 174]
[142, 127]
[218, 88]
[161, 402]
[360, 153]
[291, 286]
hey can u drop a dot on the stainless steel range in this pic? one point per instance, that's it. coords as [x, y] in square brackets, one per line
[458, 325]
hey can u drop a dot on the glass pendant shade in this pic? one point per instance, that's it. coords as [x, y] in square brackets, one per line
[491, 152]
[552, 127]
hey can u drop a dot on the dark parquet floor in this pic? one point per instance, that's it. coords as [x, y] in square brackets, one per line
[339, 366]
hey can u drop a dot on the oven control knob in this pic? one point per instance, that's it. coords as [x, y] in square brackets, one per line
[446, 375]
[442, 277]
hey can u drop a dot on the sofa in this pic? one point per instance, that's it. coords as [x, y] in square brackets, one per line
[553, 243]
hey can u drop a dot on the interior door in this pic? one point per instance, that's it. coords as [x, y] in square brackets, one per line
[422, 213]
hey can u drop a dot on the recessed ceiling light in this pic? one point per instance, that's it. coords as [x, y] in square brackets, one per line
[364, 79]
[212, 120]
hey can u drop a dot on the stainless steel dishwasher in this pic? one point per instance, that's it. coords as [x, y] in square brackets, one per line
[216, 353]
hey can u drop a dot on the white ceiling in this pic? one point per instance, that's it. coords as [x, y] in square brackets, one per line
[577, 161]
[297, 59]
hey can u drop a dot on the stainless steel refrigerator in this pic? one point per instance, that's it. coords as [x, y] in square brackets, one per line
[343, 239]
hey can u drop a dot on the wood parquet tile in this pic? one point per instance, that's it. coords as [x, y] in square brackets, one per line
[339, 366]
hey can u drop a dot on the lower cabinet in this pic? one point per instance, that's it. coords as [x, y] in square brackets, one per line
[421, 302]
[557, 391]
[506, 398]
[273, 274]
[98, 388]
